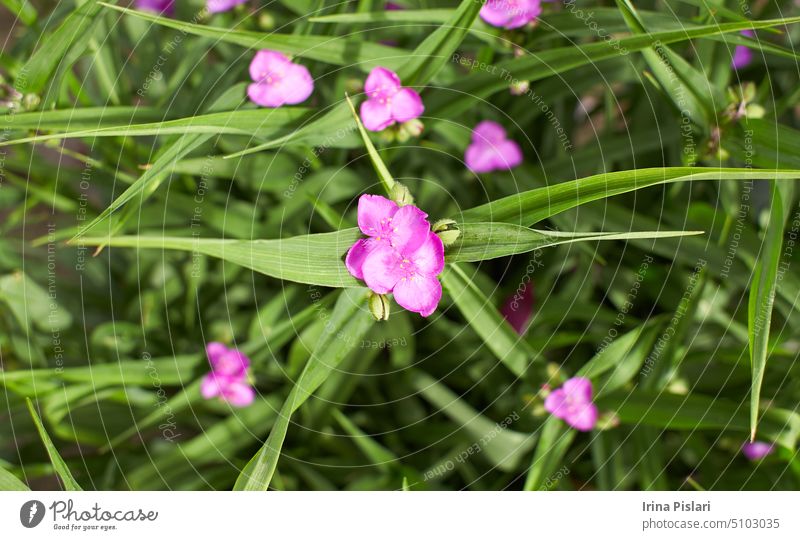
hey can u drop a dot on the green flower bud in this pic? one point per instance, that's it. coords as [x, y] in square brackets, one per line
[379, 306]
[401, 195]
[30, 102]
[447, 231]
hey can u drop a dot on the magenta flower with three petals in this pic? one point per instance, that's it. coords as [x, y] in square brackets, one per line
[510, 14]
[518, 308]
[218, 6]
[163, 7]
[278, 81]
[228, 377]
[388, 101]
[755, 451]
[490, 150]
[573, 404]
[742, 55]
[401, 255]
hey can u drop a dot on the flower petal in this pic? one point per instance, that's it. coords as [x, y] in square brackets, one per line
[509, 155]
[488, 132]
[480, 157]
[428, 259]
[406, 105]
[231, 364]
[218, 6]
[583, 417]
[266, 95]
[214, 350]
[209, 387]
[411, 229]
[555, 403]
[297, 85]
[372, 209]
[267, 63]
[355, 257]
[381, 269]
[376, 116]
[381, 83]
[239, 394]
[578, 388]
[420, 294]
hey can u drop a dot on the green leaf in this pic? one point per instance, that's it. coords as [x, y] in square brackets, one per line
[377, 162]
[533, 206]
[698, 412]
[488, 240]
[502, 446]
[168, 156]
[348, 322]
[454, 100]
[59, 50]
[479, 312]
[417, 69]
[85, 118]
[316, 259]
[58, 464]
[335, 50]
[762, 293]
[258, 123]
[9, 482]
[434, 52]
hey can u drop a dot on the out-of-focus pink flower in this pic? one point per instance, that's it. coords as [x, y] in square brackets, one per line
[228, 377]
[518, 308]
[490, 150]
[163, 7]
[742, 55]
[218, 6]
[391, 6]
[573, 404]
[757, 450]
[510, 14]
[400, 254]
[278, 81]
[388, 101]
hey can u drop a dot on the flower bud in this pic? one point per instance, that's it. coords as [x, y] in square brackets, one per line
[379, 306]
[30, 102]
[412, 128]
[518, 88]
[401, 195]
[447, 231]
[266, 21]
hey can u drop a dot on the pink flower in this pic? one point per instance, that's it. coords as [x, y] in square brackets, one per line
[573, 404]
[490, 150]
[387, 101]
[757, 450]
[400, 254]
[278, 81]
[228, 377]
[164, 7]
[510, 14]
[518, 308]
[742, 55]
[218, 6]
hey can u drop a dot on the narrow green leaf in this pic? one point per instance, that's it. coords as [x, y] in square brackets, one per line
[762, 294]
[258, 123]
[58, 464]
[335, 50]
[502, 446]
[513, 351]
[489, 240]
[316, 259]
[9, 482]
[377, 162]
[348, 322]
[533, 206]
